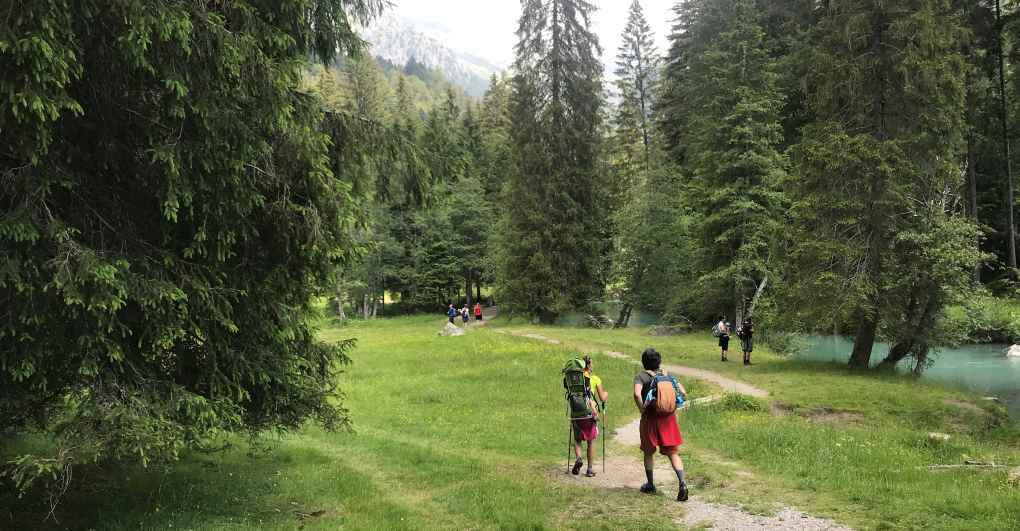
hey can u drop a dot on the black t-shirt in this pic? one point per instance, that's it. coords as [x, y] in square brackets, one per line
[747, 331]
[645, 379]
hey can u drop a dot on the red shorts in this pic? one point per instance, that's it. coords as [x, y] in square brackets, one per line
[586, 430]
[660, 432]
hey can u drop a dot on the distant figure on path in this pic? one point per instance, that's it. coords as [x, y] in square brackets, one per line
[478, 311]
[452, 314]
[587, 429]
[746, 335]
[658, 431]
[465, 315]
[724, 337]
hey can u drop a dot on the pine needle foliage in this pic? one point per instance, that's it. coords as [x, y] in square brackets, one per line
[170, 209]
[553, 260]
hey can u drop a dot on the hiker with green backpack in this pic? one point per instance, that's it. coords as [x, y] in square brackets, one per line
[584, 394]
[657, 396]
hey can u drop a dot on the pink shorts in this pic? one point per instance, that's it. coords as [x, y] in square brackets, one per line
[586, 430]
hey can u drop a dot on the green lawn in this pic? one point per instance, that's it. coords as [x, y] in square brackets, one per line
[468, 432]
[848, 445]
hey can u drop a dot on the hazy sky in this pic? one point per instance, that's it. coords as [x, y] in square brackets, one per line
[486, 27]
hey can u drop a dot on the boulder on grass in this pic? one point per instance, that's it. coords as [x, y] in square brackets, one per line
[1013, 478]
[1013, 352]
[935, 436]
[451, 330]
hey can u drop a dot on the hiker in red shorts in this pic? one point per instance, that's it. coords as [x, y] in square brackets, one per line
[657, 432]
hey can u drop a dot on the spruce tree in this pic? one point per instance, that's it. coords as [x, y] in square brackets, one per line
[886, 90]
[733, 166]
[553, 260]
[637, 65]
[171, 208]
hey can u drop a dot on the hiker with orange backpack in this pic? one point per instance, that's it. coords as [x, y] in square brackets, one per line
[657, 396]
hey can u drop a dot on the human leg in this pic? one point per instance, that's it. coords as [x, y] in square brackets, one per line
[591, 458]
[576, 469]
[678, 468]
[649, 486]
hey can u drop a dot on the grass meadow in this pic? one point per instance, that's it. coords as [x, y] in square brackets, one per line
[469, 433]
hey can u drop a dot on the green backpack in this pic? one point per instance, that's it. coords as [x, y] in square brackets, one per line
[578, 390]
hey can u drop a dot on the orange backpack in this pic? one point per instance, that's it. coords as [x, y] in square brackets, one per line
[663, 395]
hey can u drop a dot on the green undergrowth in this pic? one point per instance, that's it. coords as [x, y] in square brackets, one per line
[836, 443]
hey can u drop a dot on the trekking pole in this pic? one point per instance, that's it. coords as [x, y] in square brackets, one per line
[604, 435]
[570, 429]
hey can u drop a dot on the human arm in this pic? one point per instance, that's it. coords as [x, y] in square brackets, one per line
[601, 392]
[638, 399]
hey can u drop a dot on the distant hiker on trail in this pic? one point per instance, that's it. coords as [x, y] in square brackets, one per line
[746, 335]
[452, 314]
[657, 396]
[584, 391]
[722, 331]
[465, 315]
[478, 311]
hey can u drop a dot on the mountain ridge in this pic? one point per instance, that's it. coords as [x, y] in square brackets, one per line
[399, 41]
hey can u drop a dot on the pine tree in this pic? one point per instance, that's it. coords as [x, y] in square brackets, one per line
[555, 245]
[637, 66]
[887, 95]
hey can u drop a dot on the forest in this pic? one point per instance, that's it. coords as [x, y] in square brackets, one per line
[183, 184]
[776, 152]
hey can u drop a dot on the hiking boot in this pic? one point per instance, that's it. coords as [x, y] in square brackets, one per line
[589, 474]
[577, 467]
[682, 495]
[648, 488]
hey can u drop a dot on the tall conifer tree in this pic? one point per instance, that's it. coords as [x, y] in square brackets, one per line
[637, 63]
[554, 245]
[887, 95]
[733, 166]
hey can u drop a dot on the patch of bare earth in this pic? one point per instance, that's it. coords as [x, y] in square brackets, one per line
[727, 384]
[827, 415]
[966, 406]
[627, 472]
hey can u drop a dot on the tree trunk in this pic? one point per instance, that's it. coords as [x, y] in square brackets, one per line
[340, 305]
[922, 359]
[467, 288]
[1004, 119]
[757, 296]
[624, 318]
[478, 292]
[364, 306]
[738, 304]
[896, 354]
[375, 306]
[864, 341]
[971, 190]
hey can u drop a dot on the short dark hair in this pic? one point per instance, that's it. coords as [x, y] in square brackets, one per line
[650, 359]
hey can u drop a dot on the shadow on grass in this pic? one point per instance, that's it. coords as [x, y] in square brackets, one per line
[232, 489]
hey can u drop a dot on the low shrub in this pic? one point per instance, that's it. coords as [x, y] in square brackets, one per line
[742, 403]
[785, 343]
[984, 319]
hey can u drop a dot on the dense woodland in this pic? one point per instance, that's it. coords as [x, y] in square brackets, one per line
[179, 185]
[825, 167]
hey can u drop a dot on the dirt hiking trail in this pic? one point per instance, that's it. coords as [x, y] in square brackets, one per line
[627, 471]
[727, 384]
